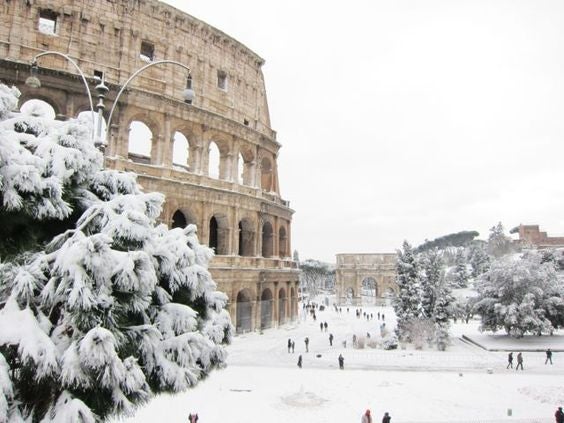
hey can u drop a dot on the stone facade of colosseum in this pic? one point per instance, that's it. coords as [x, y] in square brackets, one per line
[234, 199]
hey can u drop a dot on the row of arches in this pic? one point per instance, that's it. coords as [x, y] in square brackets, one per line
[215, 158]
[269, 309]
[219, 234]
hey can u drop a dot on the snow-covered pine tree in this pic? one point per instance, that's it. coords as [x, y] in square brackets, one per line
[461, 273]
[407, 304]
[499, 244]
[521, 296]
[432, 270]
[442, 314]
[479, 260]
[107, 313]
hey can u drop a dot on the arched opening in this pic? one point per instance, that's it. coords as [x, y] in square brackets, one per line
[214, 160]
[369, 290]
[218, 235]
[266, 309]
[293, 303]
[179, 220]
[213, 234]
[240, 169]
[246, 238]
[266, 175]
[349, 295]
[281, 306]
[244, 312]
[247, 167]
[180, 151]
[38, 108]
[140, 142]
[267, 240]
[282, 242]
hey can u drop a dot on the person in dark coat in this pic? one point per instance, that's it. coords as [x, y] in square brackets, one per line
[559, 415]
[300, 361]
[509, 360]
[306, 341]
[192, 418]
[331, 339]
[387, 418]
[548, 356]
[519, 361]
[325, 326]
[289, 344]
[321, 326]
[293, 345]
[341, 362]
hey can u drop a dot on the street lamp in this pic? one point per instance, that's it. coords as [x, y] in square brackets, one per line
[101, 90]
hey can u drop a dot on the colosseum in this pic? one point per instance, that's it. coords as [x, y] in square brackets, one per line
[213, 156]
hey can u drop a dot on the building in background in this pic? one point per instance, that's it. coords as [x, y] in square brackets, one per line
[214, 157]
[530, 235]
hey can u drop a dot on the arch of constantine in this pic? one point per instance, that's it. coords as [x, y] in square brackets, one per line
[365, 275]
[233, 199]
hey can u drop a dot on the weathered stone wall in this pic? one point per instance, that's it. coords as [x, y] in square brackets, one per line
[245, 220]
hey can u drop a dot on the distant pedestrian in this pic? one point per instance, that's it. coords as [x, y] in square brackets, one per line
[548, 356]
[345, 343]
[193, 418]
[519, 361]
[306, 341]
[331, 339]
[559, 415]
[354, 341]
[321, 326]
[314, 317]
[509, 360]
[325, 326]
[378, 315]
[383, 316]
[341, 362]
[366, 417]
[289, 345]
[368, 335]
[387, 418]
[293, 345]
[300, 361]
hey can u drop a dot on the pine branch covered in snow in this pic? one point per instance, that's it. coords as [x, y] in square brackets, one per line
[108, 307]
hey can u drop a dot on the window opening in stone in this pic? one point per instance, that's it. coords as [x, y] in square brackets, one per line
[282, 242]
[244, 312]
[266, 175]
[246, 238]
[214, 161]
[99, 74]
[266, 302]
[38, 108]
[213, 234]
[222, 80]
[282, 306]
[179, 220]
[140, 142]
[246, 122]
[180, 151]
[47, 22]
[147, 51]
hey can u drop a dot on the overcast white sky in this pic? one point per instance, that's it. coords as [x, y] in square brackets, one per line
[408, 119]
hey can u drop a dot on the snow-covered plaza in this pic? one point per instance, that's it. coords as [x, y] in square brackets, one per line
[262, 381]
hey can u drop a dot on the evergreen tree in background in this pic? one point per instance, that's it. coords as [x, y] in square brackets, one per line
[442, 314]
[407, 305]
[105, 307]
[461, 270]
[432, 270]
[499, 244]
[479, 260]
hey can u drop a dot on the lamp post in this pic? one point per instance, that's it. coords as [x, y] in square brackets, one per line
[101, 90]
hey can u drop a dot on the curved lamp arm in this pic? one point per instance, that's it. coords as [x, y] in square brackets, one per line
[160, 62]
[81, 75]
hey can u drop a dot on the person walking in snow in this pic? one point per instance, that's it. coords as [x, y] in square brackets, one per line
[192, 418]
[559, 415]
[300, 361]
[325, 326]
[548, 356]
[509, 360]
[321, 326]
[341, 362]
[289, 344]
[306, 341]
[519, 361]
[293, 345]
[387, 418]
[330, 339]
[366, 417]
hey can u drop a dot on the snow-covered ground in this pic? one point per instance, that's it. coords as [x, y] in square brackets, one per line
[464, 384]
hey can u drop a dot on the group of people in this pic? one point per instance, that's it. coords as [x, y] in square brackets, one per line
[520, 359]
[367, 417]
